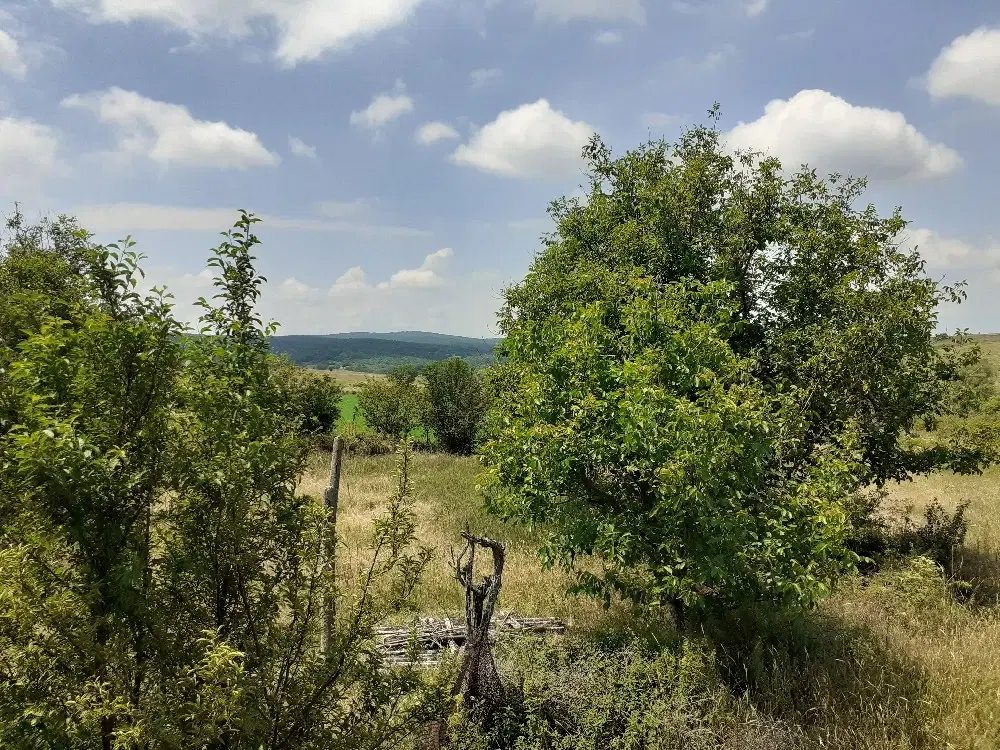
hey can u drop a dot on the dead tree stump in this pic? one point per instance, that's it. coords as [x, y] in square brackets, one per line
[478, 681]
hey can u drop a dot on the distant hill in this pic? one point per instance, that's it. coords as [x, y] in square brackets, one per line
[380, 352]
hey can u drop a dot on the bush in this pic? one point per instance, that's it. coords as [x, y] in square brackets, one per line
[571, 695]
[314, 399]
[391, 406]
[456, 404]
[941, 534]
[706, 358]
[162, 581]
[362, 442]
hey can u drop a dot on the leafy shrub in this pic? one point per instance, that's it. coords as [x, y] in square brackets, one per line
[391, 406]
[940, 535]
[363, 442]
[404, 374]
[456, 404]
[162, 583]
[41, 274]
[971, 383]
[706, 358]
[570, 695]
[314, 399]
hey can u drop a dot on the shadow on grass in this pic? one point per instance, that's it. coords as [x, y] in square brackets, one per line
[834, 684]
[975, 572]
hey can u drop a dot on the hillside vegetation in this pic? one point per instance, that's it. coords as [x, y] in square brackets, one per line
[379, 353]
[905, 657]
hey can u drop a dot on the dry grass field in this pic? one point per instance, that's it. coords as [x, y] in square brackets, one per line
[906, 658]
[348, 379]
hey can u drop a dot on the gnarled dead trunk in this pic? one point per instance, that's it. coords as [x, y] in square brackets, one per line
[478, 680]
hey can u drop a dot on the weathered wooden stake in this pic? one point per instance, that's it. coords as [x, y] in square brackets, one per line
[331, 496]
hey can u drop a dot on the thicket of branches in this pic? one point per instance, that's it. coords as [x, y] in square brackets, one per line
[161, 581]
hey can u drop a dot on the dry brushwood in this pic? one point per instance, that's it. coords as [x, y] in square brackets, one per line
[430, 637]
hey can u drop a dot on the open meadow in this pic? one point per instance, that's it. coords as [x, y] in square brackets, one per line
[892, 661]
[903, 658]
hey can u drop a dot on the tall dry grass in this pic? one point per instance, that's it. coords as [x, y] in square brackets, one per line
[897, 661]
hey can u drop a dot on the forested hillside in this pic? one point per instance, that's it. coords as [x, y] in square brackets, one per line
[380, 352]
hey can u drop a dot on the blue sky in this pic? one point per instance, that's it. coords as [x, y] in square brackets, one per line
[403, 152]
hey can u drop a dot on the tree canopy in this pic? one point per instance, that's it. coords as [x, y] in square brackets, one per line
[707, 356]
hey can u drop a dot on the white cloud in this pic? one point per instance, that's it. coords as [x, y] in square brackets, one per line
[432, 132]
[29, 152]
[828, 133]
[608, 37]
[950, 253]
[532, 141]
[482, 76]
[968, 67]
[598, 10]
[423, 277]
[11, 59]
[352, 279]
[384, 108]
[754, 8]
[169, 135]
[137, 217]
[298, 147]
[426, 298]
[306, 29]
[292, 287]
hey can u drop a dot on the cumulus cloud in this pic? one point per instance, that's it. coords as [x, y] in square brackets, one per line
[482, 76]
[433, 132]
[306, 29]
[136, 217]
[11, 59]
[951, 254]
[292, 287]
[169, 135]
[384, 108]
[425, 276]
[533, 141]
[832, 135]
[429, 297]
[298, 147]
[968, 67]
[598, 10]
[29, 152]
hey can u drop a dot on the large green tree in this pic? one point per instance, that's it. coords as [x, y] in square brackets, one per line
[705, 359]
[456, 404]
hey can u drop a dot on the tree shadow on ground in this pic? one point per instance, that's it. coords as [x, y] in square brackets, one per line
[975, 573]
[826, 682]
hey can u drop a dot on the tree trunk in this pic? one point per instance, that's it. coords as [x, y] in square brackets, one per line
[478, 681]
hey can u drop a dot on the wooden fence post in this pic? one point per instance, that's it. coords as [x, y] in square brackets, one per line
[331, 497]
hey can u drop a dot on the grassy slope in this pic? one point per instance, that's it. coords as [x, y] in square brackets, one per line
[893, 663]
[924, 672]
